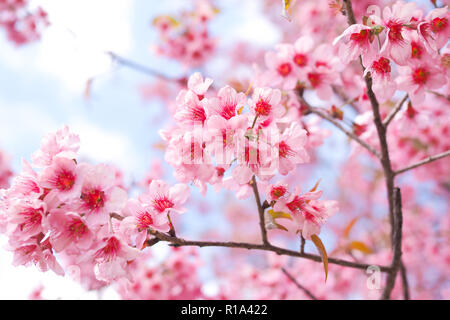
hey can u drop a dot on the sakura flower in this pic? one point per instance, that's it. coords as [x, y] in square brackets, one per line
[356, 40]
[99, 196]
[302, 55]
[112, 259]
[291, 148]
[435, 30]
[254, 158]
[199, 86]
[418, 78]
[323, 72]
[394, 20]
[145, 216]
[5, 170]
[164, 199]
[25, 218]
[38, 253]
[308, 212]
[383, 85]
[266, 103]
[281, 70]
[68, 229]
[62, 143]
[62, 177]
[191, 110]
[228, 103]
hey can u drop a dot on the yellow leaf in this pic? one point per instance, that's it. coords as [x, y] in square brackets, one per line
[279, 226]
[319, 245]
[287, 6]
[315, 186]
[279, 214]
[358, 245]
[349, 227]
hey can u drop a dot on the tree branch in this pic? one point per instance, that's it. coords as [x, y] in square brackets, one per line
[394, 111]
[397, 240]
[264, 247]
[424, 161]
[395, 209]
[405, 284]
[262, 222]
[306, 291]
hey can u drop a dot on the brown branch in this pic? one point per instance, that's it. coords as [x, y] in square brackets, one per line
[306, 291]
[405, 284]
[262, 222]
[336, 123]
[394, 111]
[395, 209]
[264, 247]
[424, 161]
[397, 241]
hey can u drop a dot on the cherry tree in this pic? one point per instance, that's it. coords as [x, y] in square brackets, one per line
[375, 72]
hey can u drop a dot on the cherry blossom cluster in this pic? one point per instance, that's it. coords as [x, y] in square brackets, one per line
[404, 36]
[61, 216]
[20, 23]
[255, 141]
[186, 38]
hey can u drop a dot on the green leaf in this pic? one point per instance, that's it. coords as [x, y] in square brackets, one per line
[319, 245]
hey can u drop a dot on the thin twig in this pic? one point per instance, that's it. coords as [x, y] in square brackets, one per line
[302, 244]
[424, 161]
[394, 111]
[306, 291]
[348, 133]
[141, 68]
[264, 247]
[262, 222]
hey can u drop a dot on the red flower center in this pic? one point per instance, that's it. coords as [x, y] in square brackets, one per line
[416, 50]
[315, 79]
[32, 217]
[395, 31]
[360, 38]
[382, 66]
[162, 203]
[65, 180]
[284, 69]
[285, 150]
[438, 24]
[420, 76]
[198, 114]
[109, 251]
[228, 111]
[295, 204]
[278, 192]
[77, 227]
[93, 199]
[144, 220]
[300, 59]
[263, 108]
